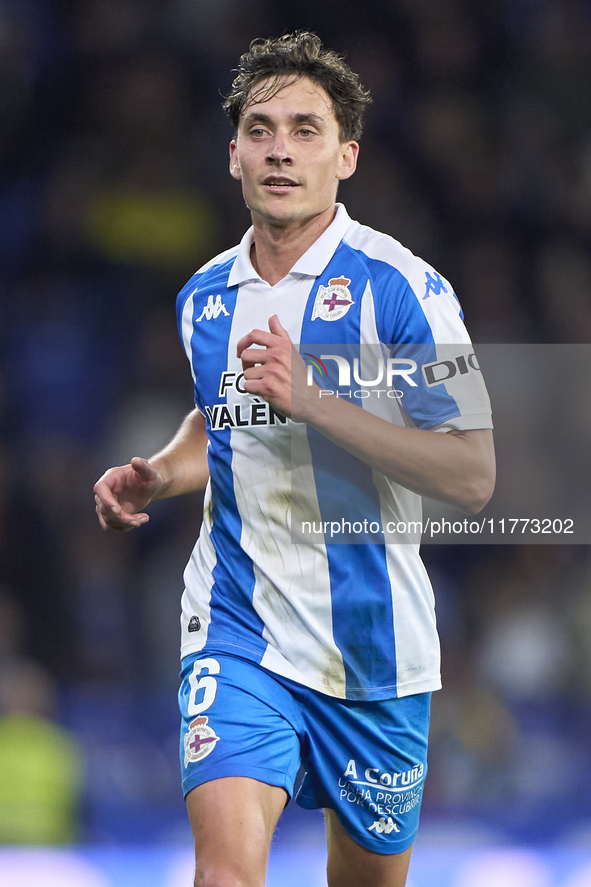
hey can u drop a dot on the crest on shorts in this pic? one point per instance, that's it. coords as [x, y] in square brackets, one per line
[200, 740]
[333, 301]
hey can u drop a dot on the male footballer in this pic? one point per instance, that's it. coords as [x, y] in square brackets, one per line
[300, 652]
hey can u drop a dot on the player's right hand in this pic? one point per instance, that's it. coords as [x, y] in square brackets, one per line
[122, 493]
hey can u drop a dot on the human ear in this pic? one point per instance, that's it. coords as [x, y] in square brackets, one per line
[235, 170]
[349, 155]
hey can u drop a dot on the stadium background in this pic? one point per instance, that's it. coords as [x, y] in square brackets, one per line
[113, 189]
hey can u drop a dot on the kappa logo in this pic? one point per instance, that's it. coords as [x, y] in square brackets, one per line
[213, 309]
[333, 301]
[383, 826]
[433, 284]
[200, 740]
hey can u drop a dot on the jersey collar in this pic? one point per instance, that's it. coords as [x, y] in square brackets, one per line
[311, 264]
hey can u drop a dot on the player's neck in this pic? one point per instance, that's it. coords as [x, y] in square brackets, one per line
[277, 247]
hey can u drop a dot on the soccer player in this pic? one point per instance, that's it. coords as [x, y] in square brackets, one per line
[300, 652]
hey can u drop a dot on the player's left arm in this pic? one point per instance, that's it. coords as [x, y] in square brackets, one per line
[457, 467]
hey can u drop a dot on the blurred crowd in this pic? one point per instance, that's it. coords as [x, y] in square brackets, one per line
[113, 190]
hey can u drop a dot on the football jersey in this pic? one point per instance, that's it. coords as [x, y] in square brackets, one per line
[351, 620]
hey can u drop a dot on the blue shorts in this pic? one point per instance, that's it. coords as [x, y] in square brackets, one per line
[367, 761]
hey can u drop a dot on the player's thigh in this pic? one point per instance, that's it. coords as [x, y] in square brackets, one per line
[237, 721]
[233, 820]
[351, 865]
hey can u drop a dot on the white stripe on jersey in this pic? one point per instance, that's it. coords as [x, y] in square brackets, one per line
[199, 574]
[297, 619]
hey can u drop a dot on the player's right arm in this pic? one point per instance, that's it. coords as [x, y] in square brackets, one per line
[122, 493]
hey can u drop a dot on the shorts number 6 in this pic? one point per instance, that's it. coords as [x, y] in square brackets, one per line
[207, 684]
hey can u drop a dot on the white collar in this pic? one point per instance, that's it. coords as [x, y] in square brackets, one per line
[311, 264]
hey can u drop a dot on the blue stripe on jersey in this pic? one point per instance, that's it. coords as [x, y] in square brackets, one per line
[401, 322]
[345, 489]
[362, 614]
[233, 575]
[362, 610]
[208, 336]
[363, 622]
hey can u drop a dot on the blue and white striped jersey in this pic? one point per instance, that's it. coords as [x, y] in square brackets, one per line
[351, 620]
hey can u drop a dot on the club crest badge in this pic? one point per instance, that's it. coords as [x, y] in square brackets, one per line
[200, 740]
[333, 301]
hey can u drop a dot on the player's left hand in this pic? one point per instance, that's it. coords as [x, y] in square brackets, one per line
[273, 369]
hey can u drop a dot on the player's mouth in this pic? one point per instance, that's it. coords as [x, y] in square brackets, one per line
[279, 184]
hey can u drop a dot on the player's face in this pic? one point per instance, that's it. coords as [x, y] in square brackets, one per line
[288, 154]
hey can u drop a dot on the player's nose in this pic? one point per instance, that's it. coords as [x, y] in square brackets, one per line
[279, 150]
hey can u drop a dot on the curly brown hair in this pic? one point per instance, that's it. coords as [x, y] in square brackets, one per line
[299, 55]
